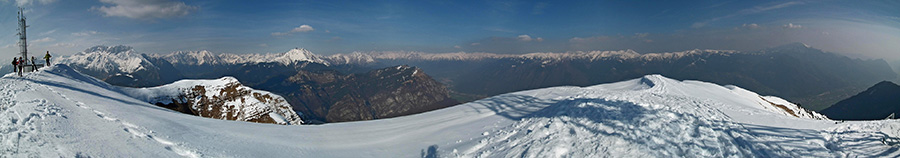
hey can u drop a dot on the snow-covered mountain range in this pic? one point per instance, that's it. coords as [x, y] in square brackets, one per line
[59, 112]
[204, 57]
[225, 98]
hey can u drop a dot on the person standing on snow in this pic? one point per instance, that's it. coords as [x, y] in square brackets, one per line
[21, 65]
[47, 58]
[33, 66]
[15, 64]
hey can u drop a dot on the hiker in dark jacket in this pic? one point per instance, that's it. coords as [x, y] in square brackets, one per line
[47, 58]
[21, 65]
[33, 66]
[15, 64]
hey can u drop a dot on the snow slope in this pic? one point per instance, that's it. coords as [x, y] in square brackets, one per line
[59, 112]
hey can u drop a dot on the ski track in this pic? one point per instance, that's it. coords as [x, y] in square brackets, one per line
[136, 131]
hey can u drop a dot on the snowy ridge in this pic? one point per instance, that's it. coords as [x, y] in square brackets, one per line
[55, 113]
[110, 59]
[352, 58]
[204, 57]
[192, 58]
[223, 98]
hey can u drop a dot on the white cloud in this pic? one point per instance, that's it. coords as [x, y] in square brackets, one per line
[792, 26]
[263, 45]
[45, 39]
[528, 38]
[457, 46]
[524, 38]
[29, 2]
[750, 26]
[85, 33]
[144, 9]
[475, 44]
[63, 45]
[303, 28]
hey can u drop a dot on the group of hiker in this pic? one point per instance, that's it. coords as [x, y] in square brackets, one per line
[19, 63]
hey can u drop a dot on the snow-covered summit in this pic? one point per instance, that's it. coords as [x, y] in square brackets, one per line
[56, 113]
[298, 55]
[112, 59]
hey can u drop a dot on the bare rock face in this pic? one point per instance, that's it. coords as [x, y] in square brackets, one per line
[224, 98]
[329, 96]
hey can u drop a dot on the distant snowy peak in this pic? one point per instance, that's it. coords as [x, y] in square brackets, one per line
[204, 57]
[299, 55]
[224, 98]
[352, 58]
[362, 58]
[111, 59]
[192, 57]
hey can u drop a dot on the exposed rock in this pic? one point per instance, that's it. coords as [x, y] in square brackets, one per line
[224, 98]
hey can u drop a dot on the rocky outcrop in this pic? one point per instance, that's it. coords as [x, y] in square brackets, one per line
[224, 98]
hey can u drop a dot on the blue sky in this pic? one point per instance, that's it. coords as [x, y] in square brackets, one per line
[869, 29]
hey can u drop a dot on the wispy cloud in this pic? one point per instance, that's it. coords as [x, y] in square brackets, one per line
[47, 33]
[750, 26]
[792, 26]
[63, 45]
[22, 3]
[42, 40]
[749, 11]
[85, 33]
[144, 9]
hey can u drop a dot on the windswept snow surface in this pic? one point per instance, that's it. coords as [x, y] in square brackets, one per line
[59, 112]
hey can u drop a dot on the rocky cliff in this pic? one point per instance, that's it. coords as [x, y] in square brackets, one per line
[223, 98]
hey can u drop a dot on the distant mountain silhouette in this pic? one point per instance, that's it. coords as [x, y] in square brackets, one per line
[877, 102]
